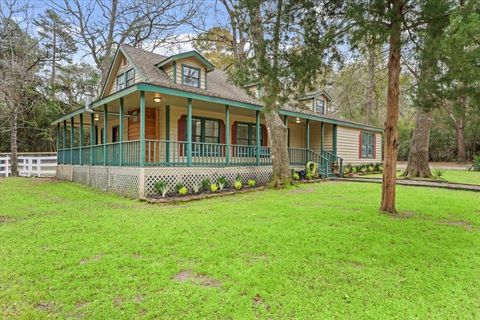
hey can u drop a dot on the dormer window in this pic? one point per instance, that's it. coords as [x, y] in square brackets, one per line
[190, 76]
[320, 106]
[126, 79]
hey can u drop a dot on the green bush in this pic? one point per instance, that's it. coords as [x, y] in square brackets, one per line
[205, 184]
[476, 163]
[295, 176]
[196, 188]
[251, 183]
[181, 189]
[238, 185]
[161, 187]
[220, 186]
[371, 168]
[354, 169]
[437, 173]
[213, 187]
[308, 176]
[222, 180]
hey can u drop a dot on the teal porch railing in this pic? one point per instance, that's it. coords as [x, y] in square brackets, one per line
[174, 153]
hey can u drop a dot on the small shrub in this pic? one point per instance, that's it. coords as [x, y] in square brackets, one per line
[220, 186]
[476, 163]
[354, 169]
[181, 189]
[213, 187]
[196, 188]
[252, 183]
[205, 184]
[347, 169]
[308, 176]
[295, 176]
[222, 180]
[437, 173]
[238, 185]
[161, 187]
[371, 168]
[363, 169]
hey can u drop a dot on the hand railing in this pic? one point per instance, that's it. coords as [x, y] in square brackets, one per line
[335, 163]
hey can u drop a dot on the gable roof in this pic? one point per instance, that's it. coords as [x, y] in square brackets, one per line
[218, 84]
[184, 55]
[314, 94]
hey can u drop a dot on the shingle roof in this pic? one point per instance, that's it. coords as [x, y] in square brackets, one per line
[218, 84]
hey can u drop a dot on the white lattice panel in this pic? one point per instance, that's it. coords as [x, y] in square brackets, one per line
[80, 174]
[99, 177]
[191, 176]
[125, 181]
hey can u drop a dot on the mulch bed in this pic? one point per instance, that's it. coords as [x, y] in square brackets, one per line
[201, 196]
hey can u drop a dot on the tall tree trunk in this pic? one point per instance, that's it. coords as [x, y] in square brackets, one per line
[460, 131]
[371, 83]
[390, 131]
[418, 157]
[13, 145]
[278, 136]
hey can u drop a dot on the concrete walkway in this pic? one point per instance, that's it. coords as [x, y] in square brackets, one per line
[402, 165]
[445, 185]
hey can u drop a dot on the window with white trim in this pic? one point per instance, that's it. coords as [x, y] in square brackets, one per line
[190, 76]
[320, 106]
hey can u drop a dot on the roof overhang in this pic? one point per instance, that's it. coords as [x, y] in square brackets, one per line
[312, 95]
[184, 55]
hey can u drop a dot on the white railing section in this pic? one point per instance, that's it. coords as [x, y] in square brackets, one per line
[31, 165]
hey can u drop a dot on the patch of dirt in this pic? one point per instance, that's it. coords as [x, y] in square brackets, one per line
[118, 301]
[6, 219]
[46, 306]
[137, 255]
[258, 302]
[196, 278]
[138, 298]
[467, 225]
[252, 258]
[402, 215]
[81, 304]
[95, 258]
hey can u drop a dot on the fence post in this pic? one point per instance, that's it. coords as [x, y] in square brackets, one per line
[257, 135]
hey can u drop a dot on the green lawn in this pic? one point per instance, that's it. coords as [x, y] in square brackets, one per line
[454, 176]
[319, 251]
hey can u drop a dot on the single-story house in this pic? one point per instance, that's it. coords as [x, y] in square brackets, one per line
[178, 119]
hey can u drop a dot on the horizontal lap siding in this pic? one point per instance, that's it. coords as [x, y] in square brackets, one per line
[119, 69]
[315, 137]
[328, 143]
[348, 146]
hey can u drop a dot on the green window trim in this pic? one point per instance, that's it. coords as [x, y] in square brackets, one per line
[184, 76]
[202, 135]
[251, 141]
[367, 145]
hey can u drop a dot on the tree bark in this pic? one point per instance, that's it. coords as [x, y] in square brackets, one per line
[418, 157]
[278, 136]
[460, 131]
[13, 145]
[393, 93]
[371, 83]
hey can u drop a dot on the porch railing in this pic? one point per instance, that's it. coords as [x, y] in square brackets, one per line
[174, 153]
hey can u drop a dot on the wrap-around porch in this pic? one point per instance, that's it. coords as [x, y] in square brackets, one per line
[145, 128]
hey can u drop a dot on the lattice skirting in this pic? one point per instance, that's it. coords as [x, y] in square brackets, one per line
[191, 176]
[137, 182]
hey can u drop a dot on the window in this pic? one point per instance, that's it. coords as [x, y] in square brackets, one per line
[205, 131]
[126, 79]
[367, 145]
[130, 77]
[246, 134]
[191, 76]
[320, 106]
[120, 82]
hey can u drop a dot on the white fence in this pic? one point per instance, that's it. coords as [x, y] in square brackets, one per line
[30, 165]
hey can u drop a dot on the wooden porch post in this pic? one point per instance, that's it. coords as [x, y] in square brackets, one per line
[307, 125]
[189, 132]
[335, 139]
[167, 133]
[322, 134]
[105, 133]
[92, 136]
[227, 134]
[64, 140]
[142, 128]
[72, 132]
[120, 133]
[257, 134]
[58, 143]
[81, 139]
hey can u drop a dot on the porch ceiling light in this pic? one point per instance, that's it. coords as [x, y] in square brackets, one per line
[96, 118]
[298, 120]
[157, 99]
